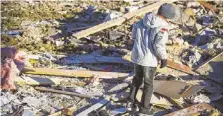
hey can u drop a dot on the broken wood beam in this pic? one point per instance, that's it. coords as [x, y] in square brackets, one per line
[180, 67]
[38, 81]
[44, 89]
[93, 107]
[67, 111]
[74, 73]
[212, 69]
[170, 64]
[34, 81]
[206, 62]
[192, 110]
[208, 6]
[119, 20]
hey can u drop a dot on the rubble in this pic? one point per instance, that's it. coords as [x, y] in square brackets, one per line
[76, 58]
[201, 99]
[198, 109]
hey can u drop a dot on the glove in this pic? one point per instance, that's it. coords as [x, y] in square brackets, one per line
[163, 63]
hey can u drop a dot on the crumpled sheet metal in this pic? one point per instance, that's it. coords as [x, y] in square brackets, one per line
[12, 62]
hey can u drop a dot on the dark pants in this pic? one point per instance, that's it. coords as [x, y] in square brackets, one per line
[148, 74]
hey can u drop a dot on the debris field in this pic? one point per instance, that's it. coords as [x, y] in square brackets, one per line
[74, 58]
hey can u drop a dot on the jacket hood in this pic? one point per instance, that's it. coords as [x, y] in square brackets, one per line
[151, 20]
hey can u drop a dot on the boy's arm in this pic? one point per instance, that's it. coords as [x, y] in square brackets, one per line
[134, 32]
[160, 45]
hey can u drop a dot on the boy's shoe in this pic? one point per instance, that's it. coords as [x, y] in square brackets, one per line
[131, 106]
[145, 113]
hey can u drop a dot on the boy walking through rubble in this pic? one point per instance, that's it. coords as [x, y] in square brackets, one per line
[150, 36]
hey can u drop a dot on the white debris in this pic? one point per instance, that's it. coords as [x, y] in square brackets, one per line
[4, 100]
[193, 4]
[201, 98]
[27, 112]
[32, 101]
[131, 8]
[44, 23]
[59, 43]
[113, 15]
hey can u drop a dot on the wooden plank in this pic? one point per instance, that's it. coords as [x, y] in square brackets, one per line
[33, 81]
[44, 89]
[209, 60]
[67, 111]
[94, 107]
[73, 73]
[120, 20]
[212, 69]
[170, 64]
[192, 110]
[208, 6]
[180, 67]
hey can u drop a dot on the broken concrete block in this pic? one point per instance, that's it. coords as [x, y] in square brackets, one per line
[114, 35]
[4, 100]
[113, 15]
[201, 98]
[32, 101]
[28, 112]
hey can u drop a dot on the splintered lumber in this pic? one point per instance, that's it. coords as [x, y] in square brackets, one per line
[70, 109]
[73, 73]
[175, 89]
[94, 107]
[212, 68]
[180, 67]
[209, 60]
[67, 111]
[170, 64]
[208, 6]
[34, 81]
[44, 89]
[119, 20]
[39, 81]
[197, 109]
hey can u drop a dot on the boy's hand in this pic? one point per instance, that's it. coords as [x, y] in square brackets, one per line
[163, 63]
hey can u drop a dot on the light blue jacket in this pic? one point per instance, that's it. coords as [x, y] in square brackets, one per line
[150, 36]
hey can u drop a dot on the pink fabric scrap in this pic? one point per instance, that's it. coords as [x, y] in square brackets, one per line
[12, 62]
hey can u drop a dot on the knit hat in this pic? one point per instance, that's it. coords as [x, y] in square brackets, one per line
[167, 11]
